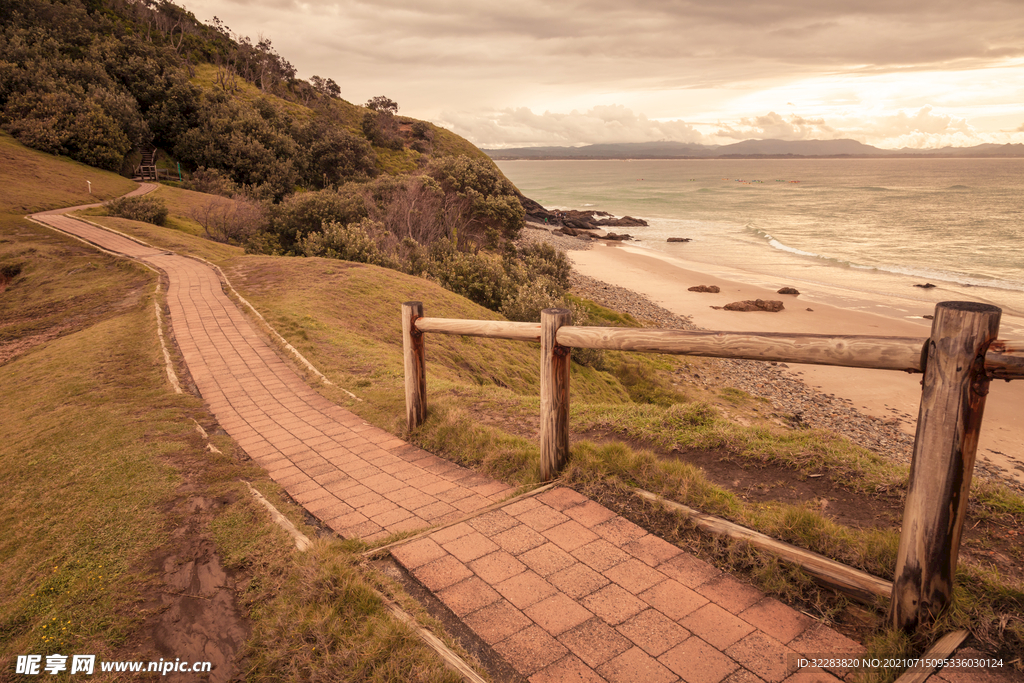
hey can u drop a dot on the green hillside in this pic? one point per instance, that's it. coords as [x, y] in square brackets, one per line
[100, 80]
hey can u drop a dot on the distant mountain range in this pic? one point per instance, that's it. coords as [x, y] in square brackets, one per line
[746, 149]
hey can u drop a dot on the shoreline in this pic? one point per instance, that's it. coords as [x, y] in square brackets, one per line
[876, 409]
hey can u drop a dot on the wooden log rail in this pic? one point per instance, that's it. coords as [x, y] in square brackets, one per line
[959, 359]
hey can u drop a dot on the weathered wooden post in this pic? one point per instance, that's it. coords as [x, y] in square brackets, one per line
[554, 394]
[952, 403]
[415, 365]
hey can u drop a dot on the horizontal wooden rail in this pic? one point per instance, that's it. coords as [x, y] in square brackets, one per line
[494, 329]
[1004, 360]
[882, 353]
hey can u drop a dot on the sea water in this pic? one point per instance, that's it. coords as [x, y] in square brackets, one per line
[860, 232]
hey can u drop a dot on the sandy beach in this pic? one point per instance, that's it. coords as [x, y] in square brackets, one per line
[883, 394]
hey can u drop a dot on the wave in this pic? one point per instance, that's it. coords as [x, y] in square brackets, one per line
[949, 277]
[958, 187]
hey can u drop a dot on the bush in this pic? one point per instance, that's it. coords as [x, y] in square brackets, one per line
[139, 208]
[352, 242]
[480, 277]
[210, 181]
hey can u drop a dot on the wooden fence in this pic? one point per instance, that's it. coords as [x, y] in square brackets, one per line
[958, 361]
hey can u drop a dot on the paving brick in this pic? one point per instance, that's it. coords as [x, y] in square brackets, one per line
[446, 535]
[497, 566]
[651, 550]
[589, 514]
[521, 506]
[688, 570]
[634, 575]
[600, 555]
[673, 599]
[497, 621]
[525, 589]
[442, 572]
[570, 535]
[594, 642]
[569, 669]
[613, 604]
[619, 531]
[470, 547]
[578, 581]
[468, 596]
[547, 559]
[780, 621]
[635, 666]
[653, 632]
[391, 517]
[542, 518]
[727, 592]
[558, 614]
[435, 511]
[519, 539]
[417, 553]
[744, 676]
[493, 522]
[561, 498]
[765, 656]
[471, 503]
[530, 650]
[716, 625]
[698, 662]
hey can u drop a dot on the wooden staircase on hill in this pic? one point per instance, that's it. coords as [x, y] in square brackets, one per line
[146, 170]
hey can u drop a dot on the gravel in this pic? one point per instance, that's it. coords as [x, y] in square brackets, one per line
[798, 404]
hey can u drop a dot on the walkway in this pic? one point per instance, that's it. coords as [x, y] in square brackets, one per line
[558, 585]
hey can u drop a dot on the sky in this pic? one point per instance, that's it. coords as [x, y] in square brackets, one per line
[501, 73]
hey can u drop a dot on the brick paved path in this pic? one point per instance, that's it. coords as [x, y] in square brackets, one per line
[557, 584]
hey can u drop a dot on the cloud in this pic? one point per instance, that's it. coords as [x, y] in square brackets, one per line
[773, 126]
[600, 124]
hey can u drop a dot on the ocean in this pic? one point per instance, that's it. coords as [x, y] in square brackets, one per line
[860, 233]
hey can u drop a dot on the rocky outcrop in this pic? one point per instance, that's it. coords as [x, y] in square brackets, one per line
[771, 306]
[712, 289]
[576, 220]
[788, 290]
[678, 239]
[925, 286]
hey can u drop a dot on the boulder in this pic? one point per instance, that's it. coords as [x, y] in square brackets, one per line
[788, 290]
[620, 238]
[678, 239]
[770, 305]
[925, 286]
[713, 289]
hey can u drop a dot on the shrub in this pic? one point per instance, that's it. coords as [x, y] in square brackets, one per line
[210, 181]
[139, 208]
[480, 277]
[352, 242]
[493, 200]
[231, 221]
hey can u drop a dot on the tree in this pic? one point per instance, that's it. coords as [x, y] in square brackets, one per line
[325, 86]
[384, 105]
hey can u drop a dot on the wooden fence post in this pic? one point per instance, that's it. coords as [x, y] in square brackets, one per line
[554, 394]
[952, 403]
[415, 365]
